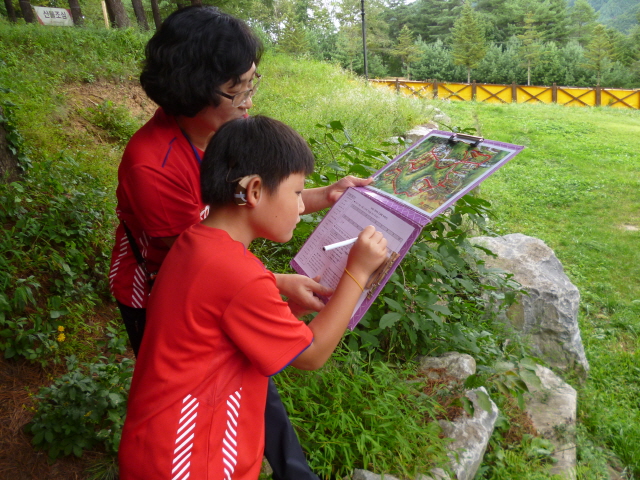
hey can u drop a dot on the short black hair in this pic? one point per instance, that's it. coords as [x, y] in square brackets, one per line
[246, 146]
[195, 51]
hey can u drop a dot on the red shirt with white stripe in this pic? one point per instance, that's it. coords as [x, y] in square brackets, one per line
[216, 329]
[158, 196]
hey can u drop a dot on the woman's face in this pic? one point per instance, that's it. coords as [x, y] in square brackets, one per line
[215, 117]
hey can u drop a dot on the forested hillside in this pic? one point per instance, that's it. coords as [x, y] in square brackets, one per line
[619, 14]
[568, 42]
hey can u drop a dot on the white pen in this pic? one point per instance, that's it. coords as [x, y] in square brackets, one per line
[343, 243]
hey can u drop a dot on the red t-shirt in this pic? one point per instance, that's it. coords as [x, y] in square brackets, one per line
[217, 328]
[158, 196]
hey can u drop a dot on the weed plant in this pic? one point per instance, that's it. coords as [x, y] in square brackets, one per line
[361, 413]
[53, 263]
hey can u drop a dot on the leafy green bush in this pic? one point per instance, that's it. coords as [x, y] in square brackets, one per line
[114, 119]
[84, 407]
[359, 413]
[55, 255]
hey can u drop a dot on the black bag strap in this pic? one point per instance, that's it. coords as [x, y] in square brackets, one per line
[138, 254]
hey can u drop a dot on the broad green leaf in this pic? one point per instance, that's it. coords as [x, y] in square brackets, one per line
[393, 304]
[388, 319]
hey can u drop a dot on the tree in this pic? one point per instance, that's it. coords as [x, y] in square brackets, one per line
[293, 39]
[11, 12]
[582, 19]
[469, 44]
[155, 11]
[141, 17]
[117, 13]
[27, 11]
[599, 52]
[348, 14]
[76, 13]
[551, 19]
[501, 17]
[434, 19]
[406, 49]
[531, 49]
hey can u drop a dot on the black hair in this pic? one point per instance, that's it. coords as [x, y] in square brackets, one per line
[195, 51]
[247, 146]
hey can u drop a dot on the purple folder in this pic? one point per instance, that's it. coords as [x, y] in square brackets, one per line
[407, 193]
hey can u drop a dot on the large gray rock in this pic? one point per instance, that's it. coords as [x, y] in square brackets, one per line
[367, 475]
[549, 313]
[453, 364]
[470, 437]
[552, 408]
[416, 133]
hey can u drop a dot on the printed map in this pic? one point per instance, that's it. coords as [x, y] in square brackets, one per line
[428, 175]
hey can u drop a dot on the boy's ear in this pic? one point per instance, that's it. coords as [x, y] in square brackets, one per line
[254, 191]
[240, 195]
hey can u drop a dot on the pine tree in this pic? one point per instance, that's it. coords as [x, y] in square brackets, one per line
[531, 49]
[293, 39]
[469, 44]
[599, 52]
[552, 20]
[406, 49]
[582, 19]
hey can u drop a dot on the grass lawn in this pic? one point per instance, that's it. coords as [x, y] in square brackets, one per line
[577, 187]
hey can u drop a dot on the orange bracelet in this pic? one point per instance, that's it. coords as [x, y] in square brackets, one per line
[354, 279]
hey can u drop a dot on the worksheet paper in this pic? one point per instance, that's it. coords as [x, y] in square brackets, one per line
[346, 219]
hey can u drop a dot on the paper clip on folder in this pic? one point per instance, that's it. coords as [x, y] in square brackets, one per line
[378, 276]
[470, 139]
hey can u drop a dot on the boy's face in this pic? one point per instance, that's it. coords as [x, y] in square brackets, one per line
[280, 211]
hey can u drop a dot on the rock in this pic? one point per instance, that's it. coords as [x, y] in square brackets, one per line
[552, 408]
[549, 313]
[442, 118]
[457, 365]
[367, 475]
[416, 133]
[470, 437]
[436, 474]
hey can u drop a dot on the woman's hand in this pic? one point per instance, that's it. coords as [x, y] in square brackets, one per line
[316, 199]
[335, 191]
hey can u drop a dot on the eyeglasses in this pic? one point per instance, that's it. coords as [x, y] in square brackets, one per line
[241, 98]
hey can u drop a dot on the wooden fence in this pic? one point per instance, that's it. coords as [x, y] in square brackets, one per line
[484, 92]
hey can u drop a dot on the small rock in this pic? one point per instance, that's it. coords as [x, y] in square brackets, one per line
[457, 365]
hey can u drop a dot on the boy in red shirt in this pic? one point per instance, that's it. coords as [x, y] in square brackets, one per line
[219, 327]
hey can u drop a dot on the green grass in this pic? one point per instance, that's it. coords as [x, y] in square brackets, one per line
[577, 187]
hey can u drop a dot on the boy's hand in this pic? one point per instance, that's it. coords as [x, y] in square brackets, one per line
[300, 291]
[367, 254]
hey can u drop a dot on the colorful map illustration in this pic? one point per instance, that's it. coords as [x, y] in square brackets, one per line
[433, 172]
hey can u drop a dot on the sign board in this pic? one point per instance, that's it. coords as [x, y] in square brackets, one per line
[60, 17]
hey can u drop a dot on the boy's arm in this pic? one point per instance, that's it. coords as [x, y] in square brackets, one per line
[316, 199]
[366, 255]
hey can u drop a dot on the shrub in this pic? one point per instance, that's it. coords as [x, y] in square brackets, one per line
[84, 408]
[55, 255]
